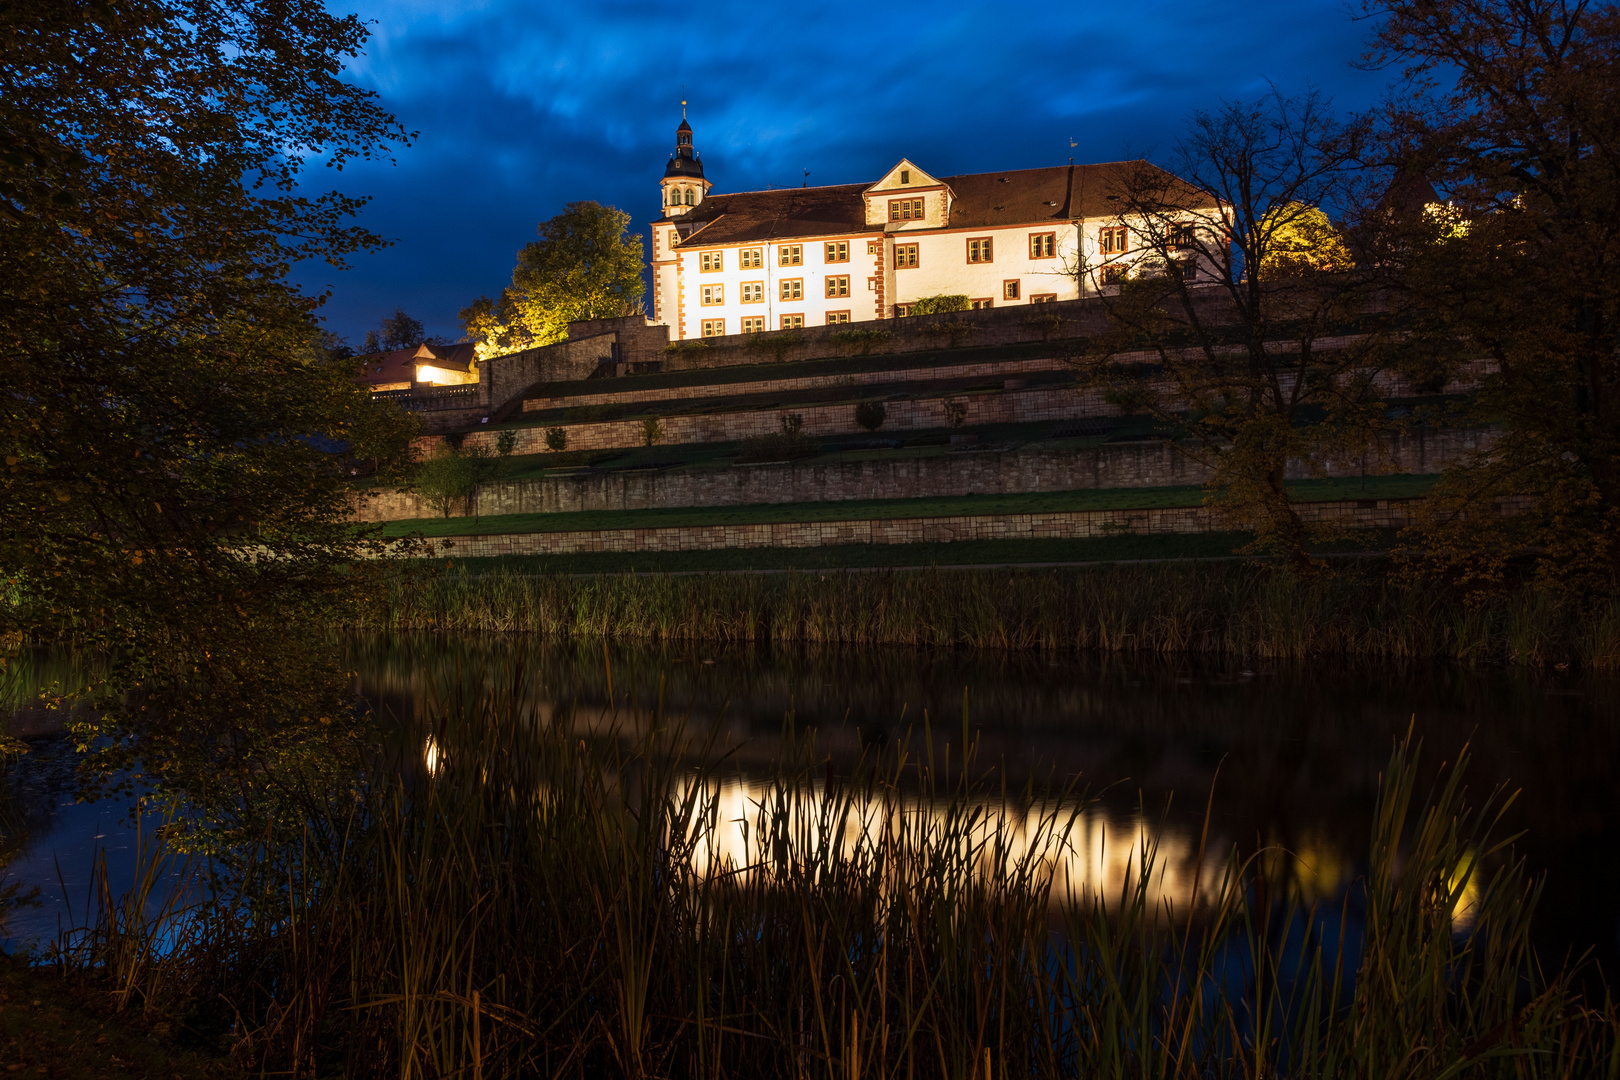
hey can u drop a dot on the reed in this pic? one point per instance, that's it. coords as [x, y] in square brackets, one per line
[1234, 608]
[513, 898]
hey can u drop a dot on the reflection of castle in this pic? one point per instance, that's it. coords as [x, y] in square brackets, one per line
[770, 260]
[1087, 852]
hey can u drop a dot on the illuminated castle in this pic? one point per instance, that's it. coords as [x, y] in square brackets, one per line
[813, 256]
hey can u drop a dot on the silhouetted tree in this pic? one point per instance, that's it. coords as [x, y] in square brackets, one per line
[1509, 108]
[1228, 273]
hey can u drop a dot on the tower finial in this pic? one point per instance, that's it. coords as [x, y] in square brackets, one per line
[683, 101]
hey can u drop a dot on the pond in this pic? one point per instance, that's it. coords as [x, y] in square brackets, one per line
[1279, 754]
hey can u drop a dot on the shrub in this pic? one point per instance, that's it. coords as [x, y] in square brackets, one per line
[777, 344]
[1046, 324]
[691, 345]
[454, 475]
[788, 444]
[651, 430]
[556, 439]
[871, 414]
[935, 305]
[862, 336]
[953, 327]
[955, 411]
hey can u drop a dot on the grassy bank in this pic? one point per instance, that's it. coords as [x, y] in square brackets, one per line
[56, 1027]
[874, 556]
[1042, 502]
[518, 898]
[1226, 607]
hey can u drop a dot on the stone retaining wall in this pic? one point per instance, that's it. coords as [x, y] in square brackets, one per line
[994, 326]
[912, 414]
[985, 472]
[810, 382]
[1050, 403]
[1075, 525]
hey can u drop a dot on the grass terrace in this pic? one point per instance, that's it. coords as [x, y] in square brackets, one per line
[787, 399]
[966, 553]
[805, 369]
[1403, 486]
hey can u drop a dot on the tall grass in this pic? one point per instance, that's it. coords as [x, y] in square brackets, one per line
[1233, 608]
[516, 898]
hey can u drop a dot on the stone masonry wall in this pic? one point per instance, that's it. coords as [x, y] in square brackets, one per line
[994, 326]
[907, 415]
[811, 382]
[1365, 514]
[912, 414]
[989, 472]
[503, 379]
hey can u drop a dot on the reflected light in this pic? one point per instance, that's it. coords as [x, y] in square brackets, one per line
[1080, 850]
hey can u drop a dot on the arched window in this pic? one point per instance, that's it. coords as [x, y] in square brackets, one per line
[688, 196]
[674, 197]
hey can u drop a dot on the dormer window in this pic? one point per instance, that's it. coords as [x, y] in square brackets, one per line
[905, 209]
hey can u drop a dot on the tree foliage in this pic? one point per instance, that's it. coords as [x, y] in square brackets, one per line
[935, 305]
[1511, 108]
[454, 476]
[174, 437]
[582, 267]
[1237, 275]
[398, 331]
[1303, 241]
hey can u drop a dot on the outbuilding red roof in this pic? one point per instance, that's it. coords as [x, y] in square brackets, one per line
[399, 365]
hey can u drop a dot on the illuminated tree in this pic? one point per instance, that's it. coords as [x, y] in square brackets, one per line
[582, 267]
[1303, 241]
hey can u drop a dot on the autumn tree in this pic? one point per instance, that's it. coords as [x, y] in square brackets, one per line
[174, 433]
[1511, 109]
[1229, 290]
[583, 266]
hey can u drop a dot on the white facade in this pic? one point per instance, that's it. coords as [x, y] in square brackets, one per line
[858, 253]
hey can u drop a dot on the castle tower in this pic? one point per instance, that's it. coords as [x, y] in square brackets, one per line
[683, 185]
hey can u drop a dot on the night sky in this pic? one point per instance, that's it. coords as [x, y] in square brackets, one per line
[524, 107]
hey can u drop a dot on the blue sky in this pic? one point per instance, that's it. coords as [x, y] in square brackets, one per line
[524, 107]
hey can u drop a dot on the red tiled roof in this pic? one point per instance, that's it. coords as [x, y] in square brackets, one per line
[400, 365]
[981, 200]
[389, 367]
[767, 215]
[450, 357]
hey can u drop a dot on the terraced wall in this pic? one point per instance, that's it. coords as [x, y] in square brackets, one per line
[1073, 525]
[1128, 465]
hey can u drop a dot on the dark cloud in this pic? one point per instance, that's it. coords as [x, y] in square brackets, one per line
[524, 107]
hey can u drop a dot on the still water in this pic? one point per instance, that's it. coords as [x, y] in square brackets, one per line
[1280, 754]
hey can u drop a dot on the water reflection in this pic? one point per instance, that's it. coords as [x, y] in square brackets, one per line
[1281, 755]
[1075, 848]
